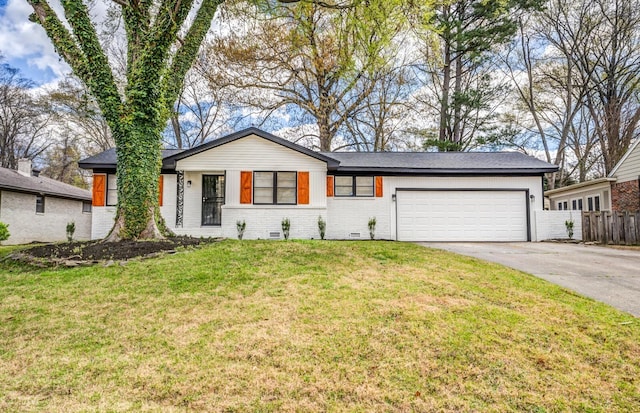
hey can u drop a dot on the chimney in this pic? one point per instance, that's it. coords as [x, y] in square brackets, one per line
[24, 167]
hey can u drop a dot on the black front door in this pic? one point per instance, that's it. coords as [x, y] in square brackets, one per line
[212, 199]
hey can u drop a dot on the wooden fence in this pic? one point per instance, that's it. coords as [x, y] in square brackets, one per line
[606, 227]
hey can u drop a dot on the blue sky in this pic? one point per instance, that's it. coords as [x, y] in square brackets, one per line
[25, 45]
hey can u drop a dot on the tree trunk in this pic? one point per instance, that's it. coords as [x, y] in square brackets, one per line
[138, 174]
[446, 86]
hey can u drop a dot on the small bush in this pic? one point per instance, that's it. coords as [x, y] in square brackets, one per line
[569, 225]
[241, 226]
[286, 226]
[322, 226]
[71, 229]
[4, 232]
[372, 227]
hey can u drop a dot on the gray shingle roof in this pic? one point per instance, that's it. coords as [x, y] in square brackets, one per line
[13, 181]
[440, 162]
[367, 162]
[108, 158]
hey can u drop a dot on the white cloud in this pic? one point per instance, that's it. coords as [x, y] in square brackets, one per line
[26, 44]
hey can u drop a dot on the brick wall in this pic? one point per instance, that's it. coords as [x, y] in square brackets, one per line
[625, 196]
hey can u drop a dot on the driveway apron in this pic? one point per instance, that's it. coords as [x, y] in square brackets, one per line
[604, 274]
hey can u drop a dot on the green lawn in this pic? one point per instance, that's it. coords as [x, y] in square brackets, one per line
[309, 326]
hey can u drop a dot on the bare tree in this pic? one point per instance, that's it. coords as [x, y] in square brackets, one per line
[610, 64]
[381, 122]
[61, 160]
[199, 114]
[78, 113]
[305, 58]
[23, 119]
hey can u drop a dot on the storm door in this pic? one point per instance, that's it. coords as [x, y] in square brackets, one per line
[212, 199]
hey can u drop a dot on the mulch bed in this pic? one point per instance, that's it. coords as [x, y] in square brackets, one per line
[93, 252]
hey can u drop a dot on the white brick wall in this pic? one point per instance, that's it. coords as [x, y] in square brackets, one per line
[348, 216]
[25, 225]
[551, 224]
[103, 218]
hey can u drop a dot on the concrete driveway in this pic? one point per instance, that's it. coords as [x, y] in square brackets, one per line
[605, 274]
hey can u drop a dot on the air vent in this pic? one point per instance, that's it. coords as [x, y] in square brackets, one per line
[274, 235]
[354, 235]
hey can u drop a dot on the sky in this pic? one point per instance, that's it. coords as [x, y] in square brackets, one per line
[25, 46]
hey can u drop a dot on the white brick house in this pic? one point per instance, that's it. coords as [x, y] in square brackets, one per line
[259, 178]
[38, 208]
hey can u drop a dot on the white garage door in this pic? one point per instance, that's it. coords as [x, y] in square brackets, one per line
[461, 215]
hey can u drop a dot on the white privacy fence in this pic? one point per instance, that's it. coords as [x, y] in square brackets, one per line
[551, 224]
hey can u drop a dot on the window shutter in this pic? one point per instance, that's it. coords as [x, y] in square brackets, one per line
[245, 186]
[378, 186]
[160, 189]
[98, 190]
[303, 188]
[329, 185]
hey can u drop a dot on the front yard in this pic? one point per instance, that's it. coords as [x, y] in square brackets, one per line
[309, 326]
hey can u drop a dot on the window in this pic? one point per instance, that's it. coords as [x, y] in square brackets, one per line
[112, 190]
[593, 203]
[580, 204]
[275, 188]
[565, 205]
[86, 206]
[559, 206]
[39, 204]
[354, 186]
[574, 204]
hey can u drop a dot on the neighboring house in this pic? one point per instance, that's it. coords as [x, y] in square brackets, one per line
[38, 208]
[620, 191]
[259, 178]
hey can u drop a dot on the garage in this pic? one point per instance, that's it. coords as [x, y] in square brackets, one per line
[462, 215]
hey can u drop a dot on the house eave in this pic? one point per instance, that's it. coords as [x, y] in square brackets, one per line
[45, 193]
[579, 185]
[442, 171]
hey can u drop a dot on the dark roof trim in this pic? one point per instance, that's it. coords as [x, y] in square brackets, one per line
[45, 193]
[170, 161]
[444, 172]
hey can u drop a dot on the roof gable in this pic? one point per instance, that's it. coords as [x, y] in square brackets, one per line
[170, 161]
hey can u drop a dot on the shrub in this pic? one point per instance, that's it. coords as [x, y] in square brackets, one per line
[4, 232]
[241, 226]
[71, 229]
[286, 226]
[372, 227]
[322, 226]
[569, 225]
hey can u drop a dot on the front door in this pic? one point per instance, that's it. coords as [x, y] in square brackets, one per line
[212, 199]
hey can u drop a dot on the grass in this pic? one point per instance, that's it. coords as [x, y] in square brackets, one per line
[309, 326]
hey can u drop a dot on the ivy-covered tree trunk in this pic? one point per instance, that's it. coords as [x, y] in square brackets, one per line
[137, 174]
[158, 59]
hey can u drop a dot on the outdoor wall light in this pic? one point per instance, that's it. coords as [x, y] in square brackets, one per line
[188, 184]
[532, 197]
[393, 197]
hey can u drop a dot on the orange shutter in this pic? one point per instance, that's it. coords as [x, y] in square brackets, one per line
[98, 190]
[303, 188]
[378, 186]
[160, 189]
[329, 185]
[245, 186]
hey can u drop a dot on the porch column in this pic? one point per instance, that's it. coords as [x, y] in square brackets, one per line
[179, 198]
